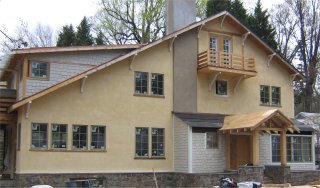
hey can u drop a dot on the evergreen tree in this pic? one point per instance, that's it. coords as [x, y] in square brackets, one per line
[260, 25]
[99, 38]
[66, 36]
[235, 7]
[83, 36]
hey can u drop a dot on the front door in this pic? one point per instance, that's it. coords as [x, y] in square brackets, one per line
[240, 150]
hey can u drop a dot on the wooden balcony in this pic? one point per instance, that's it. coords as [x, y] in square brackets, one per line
[7, 98]
[226, 63]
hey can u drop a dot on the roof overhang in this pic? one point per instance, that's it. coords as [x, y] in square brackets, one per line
[201, 120]
[263, 121]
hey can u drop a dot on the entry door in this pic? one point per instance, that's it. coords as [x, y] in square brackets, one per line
[240, 151]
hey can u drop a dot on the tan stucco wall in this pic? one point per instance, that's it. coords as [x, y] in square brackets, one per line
[246, 98]
[107, 100]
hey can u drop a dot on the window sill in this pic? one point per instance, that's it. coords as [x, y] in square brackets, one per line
[270, 105]
[146, 95]
[36, 78]
[66, 150]
[151, 158]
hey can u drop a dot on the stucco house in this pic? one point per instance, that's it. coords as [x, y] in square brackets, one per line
[189, 108]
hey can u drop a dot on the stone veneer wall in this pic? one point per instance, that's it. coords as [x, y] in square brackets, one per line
[304, 177]
[250, 173]
[126, 179]
[278, 174]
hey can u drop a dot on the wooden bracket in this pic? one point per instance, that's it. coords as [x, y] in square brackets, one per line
[224, 17]
[213, 79]
[171, 42]
[199, 29]
[83, 81]
[244, 37]
[131, 61]
[237, 82]
[292, 77]
[28, 104]
[270, 58]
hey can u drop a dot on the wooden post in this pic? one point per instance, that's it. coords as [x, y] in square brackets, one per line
[255, 148]
[227, 150]
[283, 146]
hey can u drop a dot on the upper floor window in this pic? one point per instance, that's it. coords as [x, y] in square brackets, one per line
[39, 70]
[213, 44]
[222, 87]
[39, 135]
[79, 137]
[226, 45]
[275, 95]
[212, 140]
[141, 82]
[157, 84]
[299, 148]
[264, 95]
[98, 135]
[59, 135]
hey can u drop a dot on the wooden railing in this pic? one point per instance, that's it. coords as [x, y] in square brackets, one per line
[225, 60]
[7, 98]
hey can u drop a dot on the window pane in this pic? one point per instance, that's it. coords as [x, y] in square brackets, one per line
[39, 69]
[157, 84]
[275, 142]
[212, 140]
[39, 135]
[264, 95]
[141, 142]
[275, 95]
[141, 82]
[98, 134]
[79, 135]
[157, 142]
[221, 87]
[59, 135]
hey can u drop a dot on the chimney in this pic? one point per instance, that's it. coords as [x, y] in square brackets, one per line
[180, 13]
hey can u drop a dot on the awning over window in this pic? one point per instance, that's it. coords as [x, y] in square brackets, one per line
[266, 121]
[201, 119]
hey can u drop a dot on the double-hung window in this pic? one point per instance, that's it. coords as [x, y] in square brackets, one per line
[264, 95]
[141, 83]
[142, 142]
[275, 95]
[79, 136]
[156, 84]
[39, 135]
[39, 70]
[59, 135]
[98, 135]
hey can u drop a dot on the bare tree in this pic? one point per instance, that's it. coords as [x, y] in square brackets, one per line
[131, 21]
[298, 26]
[40, 36]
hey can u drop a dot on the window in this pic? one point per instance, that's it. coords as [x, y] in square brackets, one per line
[212, 140]
[39, 135]
[141, 81]
[157, 84]
[213, 44]
[39, 70]
[59, 136]
[298, 148]
[98, 134]
[79, 137]
[157, 142]
[264, 95]
[226, 45]
[142, 142]
[221, 87]
[275, 95]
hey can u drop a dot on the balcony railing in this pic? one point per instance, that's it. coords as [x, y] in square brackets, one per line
[224, 60]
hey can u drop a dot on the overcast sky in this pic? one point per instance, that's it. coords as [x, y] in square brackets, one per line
[57, 13]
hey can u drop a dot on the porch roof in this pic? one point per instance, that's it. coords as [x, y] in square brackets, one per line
[267, 121]
[201, 119]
